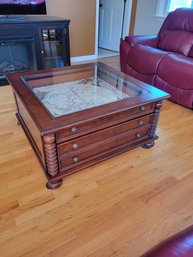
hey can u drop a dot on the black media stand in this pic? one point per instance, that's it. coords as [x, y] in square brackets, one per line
[33, 43]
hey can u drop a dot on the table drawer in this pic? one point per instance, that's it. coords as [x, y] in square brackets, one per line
[85, 154]
[103, 122]
[78, 143]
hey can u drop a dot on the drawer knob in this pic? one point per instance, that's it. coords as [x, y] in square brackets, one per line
[74, 129]
[75, 146]
[141, 123]
[75, 159]
[142, 108]
[138, 135]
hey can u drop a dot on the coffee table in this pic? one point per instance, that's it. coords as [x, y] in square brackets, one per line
[78, 116]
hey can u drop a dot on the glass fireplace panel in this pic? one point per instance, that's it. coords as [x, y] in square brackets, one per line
[17, 54]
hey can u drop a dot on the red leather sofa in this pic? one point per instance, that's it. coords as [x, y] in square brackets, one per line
[166, 60]
[179, 245]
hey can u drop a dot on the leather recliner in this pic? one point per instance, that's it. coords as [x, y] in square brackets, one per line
[179, 245]
[166, 60]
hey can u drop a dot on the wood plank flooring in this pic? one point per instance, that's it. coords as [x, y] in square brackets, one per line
[118, 208]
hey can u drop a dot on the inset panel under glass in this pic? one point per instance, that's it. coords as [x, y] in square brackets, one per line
[73, 90]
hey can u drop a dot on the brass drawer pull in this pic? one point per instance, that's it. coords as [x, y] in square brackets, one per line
[138, 135]
[75, 159]
[141, 123]
[142, 108]
[75, 146]
[74, 129]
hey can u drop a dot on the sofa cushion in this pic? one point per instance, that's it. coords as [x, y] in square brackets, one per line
[177, 70]
[178, 95]
[149, 79]
[145, 59]
[176, 41]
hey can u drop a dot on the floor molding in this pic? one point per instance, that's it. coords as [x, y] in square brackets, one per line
[83, 58]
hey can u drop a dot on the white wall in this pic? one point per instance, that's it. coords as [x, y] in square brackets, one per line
[145, 22]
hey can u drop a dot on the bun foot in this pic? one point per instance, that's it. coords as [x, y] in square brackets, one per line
[54, 185]
[148, 145]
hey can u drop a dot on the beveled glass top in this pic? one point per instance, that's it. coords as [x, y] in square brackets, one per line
[76, 89]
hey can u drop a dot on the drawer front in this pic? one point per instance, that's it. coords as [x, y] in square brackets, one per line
[68, 161]
[78, 143]
[103, 122]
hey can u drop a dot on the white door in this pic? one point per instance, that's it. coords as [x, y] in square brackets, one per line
[110, 23]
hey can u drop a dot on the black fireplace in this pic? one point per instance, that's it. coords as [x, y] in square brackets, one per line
[33, 43]
[16, 54]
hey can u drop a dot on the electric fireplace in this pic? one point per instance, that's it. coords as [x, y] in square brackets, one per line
[33, 43]
[16, 54]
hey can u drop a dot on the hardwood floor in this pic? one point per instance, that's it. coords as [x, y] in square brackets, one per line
[118, 208]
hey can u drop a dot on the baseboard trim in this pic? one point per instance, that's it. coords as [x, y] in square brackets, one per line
[83, 58]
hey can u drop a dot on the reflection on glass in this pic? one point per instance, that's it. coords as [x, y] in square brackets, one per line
[53, 48]
[73, 90]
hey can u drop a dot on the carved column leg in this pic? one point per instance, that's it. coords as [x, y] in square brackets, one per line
[51, 160]
[151, 143]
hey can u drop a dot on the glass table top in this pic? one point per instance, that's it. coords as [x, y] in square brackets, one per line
[68, 91]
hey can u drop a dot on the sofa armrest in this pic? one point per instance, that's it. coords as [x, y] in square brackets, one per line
[144, 40]
[131, 41]
[124, 52]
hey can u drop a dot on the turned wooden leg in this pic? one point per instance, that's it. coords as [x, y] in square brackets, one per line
[54, 185]
[51, 159]
[149, 145]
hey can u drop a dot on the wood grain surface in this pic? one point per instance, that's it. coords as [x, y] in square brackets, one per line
[118, 208]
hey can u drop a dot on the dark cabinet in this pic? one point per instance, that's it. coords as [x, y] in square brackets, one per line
[53, 46]
[32, 43]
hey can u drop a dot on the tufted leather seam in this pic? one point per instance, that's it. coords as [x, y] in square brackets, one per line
[166, 82]
[178, 47]
[163, 78]
[165, 40]
[153, 74]
[159, 63]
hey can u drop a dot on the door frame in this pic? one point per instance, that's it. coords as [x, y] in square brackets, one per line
[126, 25]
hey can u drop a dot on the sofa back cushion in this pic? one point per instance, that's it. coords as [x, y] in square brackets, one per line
[179, 20]
[176, 41]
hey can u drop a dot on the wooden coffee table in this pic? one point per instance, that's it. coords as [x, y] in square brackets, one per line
[78, 116]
